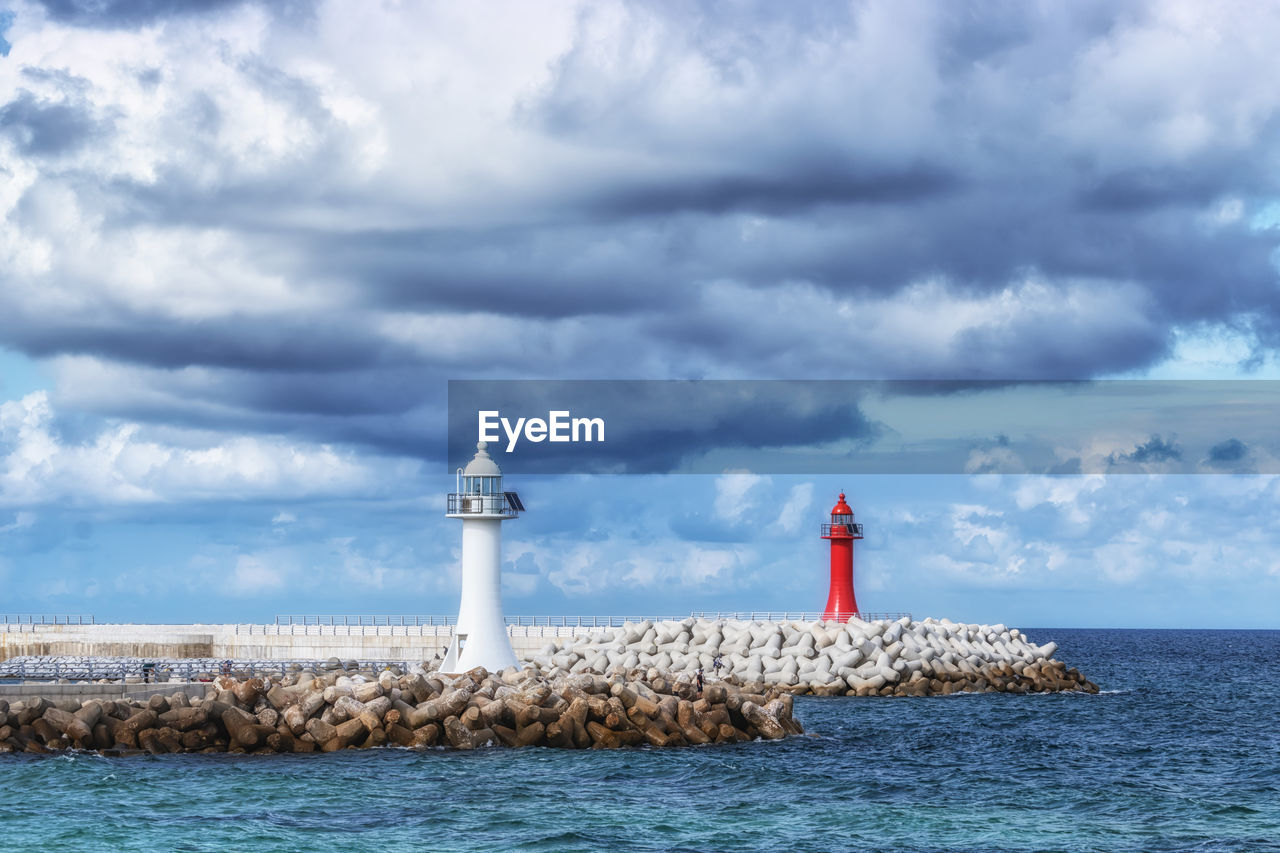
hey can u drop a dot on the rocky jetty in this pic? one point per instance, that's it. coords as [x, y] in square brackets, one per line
[306, 712]
[853, 658]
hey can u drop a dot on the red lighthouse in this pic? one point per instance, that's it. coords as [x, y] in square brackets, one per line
[841, 531]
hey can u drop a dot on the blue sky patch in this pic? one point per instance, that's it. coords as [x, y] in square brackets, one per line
[6, 21]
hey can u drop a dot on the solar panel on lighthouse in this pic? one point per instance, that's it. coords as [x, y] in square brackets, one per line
[513, 501]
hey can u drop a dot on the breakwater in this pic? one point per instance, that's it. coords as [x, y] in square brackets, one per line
[306, 712]
[853, 658]
[882, 657]
[898, 657]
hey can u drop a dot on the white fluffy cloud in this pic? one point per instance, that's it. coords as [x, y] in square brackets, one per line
[119, 465]
[737, 494]
[795, 511]
[255, 574]
[1130, 533]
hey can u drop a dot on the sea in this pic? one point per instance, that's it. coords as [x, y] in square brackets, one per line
[1179, 752]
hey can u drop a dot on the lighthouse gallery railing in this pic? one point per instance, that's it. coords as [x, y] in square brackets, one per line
[466, 503]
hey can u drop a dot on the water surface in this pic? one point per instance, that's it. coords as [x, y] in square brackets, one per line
[1180, 752]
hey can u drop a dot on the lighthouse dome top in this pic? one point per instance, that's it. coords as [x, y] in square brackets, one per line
[482, 465]
[841, 508]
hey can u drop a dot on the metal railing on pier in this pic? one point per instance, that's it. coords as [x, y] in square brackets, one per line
[375, 620]
[574, 626]
[445, 626]
[45, 619]
[586, 621]
[517, 626]
[795, 616]
[436, 626]
[367, 625]
[347, 629]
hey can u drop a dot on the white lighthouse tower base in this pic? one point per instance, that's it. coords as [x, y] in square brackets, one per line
[480, 638]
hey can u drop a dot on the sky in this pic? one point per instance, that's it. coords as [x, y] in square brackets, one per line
[245, 247]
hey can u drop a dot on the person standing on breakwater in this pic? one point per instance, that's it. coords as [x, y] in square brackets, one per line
[700, 681]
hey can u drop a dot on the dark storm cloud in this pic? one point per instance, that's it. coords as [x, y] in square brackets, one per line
[128, 13]
[305, 343]
[1154, 449]
[1231, 450]
[43, 128]
[540, 271]
[803, 186]
[1228, 454]
[650, 247]
[1147, 188]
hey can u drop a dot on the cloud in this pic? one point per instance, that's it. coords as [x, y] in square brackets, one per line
[255, 574]
[41, 128]
[795, 510]
[517, 585]
[305, 204]
[358, 568]
[1228, 453]
[734, 494]
[1058, 539]
[119, 465]
[1071, 495]
[252, 242]
[20, 521]
[996, 457]
[127, 13]
[577, 570]
[1153, 450]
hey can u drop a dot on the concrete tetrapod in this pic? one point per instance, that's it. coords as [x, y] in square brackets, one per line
[852, 658]
[515, 708]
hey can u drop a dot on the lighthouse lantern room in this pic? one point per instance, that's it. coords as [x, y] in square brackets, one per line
[480, 637]
[842, 530]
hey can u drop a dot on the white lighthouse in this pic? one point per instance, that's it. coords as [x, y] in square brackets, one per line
[480, 638]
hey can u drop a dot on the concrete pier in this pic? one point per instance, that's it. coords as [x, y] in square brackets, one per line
[409, 643]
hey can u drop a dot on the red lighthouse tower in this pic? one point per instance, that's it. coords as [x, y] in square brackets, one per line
[841, 531]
